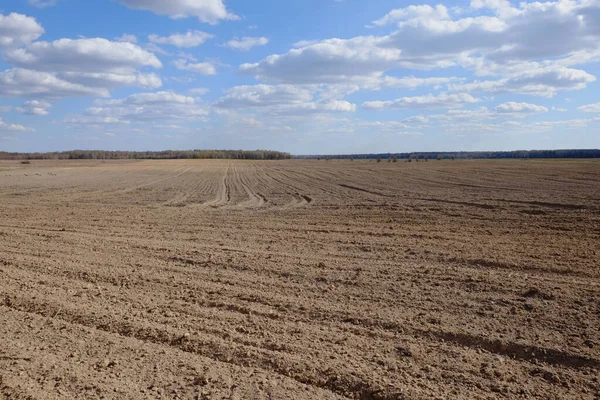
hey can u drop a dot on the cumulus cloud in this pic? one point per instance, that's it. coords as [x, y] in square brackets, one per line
[87, 55]
[503, 47]
[334, 105]
[387, 128]
[592, 108]
[93, 120]
[150, 98]
[280, 99]
[4, 127]
[407, 82]
[209, 11]
[569, 124]
[189, 39]
[35, 107]
[516, 126]
[531, 48]
[477, 114]
[127, 37]
[533, 80]
[19, 82]
[443, 100]
[514, 107]
[396, 127]
[417, 119]
[376, 83]
[77, 67]
[432, 34]
[246, 43]
[203, 68]
[481, 115]
[263, 96]
[143, 107]
[110, 80]
[329, 61]
[18, 29]
[414, 14]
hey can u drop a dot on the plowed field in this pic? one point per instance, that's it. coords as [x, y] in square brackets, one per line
[192, 279]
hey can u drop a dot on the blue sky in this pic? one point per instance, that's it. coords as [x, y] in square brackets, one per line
[304, 76]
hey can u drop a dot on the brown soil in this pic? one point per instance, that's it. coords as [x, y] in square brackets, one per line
[300, 280]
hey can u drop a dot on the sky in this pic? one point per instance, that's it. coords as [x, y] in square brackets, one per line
[302, 76]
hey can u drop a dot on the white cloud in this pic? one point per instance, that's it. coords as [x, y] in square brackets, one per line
[203, 68]
[5, 109]
[264, 96]
[431, 35]
[81, 67]
[19, 82]
[414, 14]
[514, 107]
[189, 39]
[482, 114]
[170, 127]
[87, 55]
[591, 108]
[13, 127]
[376, 83]
[335, 105]
[42, 3]
[569, 124]
[18, 29]
[326, 62]
[503, 47]
[418, 119]
[34, 107]
[540, 81]
[384, 126]
[388, 128]
[430, 101]
[529, 47]
[127, 37]
[246, 43]
[491, 4]
[92, 120]
[110, 80]
[150, 98]
[407, 82]
[209, 11]
[280, 99]
[477, 114]
[143, 107]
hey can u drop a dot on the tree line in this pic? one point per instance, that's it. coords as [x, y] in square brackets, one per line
[465, 155]
[149, 155]
[278, 155]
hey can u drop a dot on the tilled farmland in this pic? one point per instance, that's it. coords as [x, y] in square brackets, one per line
[215, 279]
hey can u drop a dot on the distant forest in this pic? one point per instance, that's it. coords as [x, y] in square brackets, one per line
[465, 155]
[277, 155]
[149, 155]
